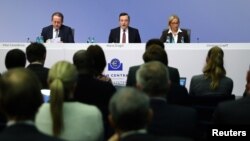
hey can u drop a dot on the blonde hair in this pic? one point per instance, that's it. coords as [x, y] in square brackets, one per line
[214, 68]
[172, 17]
[62, 77]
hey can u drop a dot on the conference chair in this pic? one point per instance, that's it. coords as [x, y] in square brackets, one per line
[188, 32]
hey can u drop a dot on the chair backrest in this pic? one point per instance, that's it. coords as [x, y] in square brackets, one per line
[73, 32]
[188, 32]
[210, 99]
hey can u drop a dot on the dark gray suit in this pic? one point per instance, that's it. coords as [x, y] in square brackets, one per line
[24, 132]
[134, 36]
[131, 80]
[65, 33]
[172, 120]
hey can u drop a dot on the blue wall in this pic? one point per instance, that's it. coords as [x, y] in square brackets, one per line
[210, 20]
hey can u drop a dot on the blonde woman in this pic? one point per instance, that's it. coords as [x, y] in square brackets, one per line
[62, 116]
[214, 79]
[174, 34]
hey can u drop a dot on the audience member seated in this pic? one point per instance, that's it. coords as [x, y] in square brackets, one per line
[91, 90]
[235, 112]
[177, 94]
[168, 119]
[130, 113]
[98, 56]
[36, 55]
[214, 79]
[15, 58]
[20, 100]
[63, 117]
[173, 72]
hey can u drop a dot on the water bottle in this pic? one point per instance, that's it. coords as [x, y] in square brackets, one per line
[89, 39]
[182, 39]
[168, 39]
[39, 39]
[93, 40]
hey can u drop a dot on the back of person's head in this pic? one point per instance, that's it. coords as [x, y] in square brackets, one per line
[36, 52]
[248, 83]
[153, 78]
[21, 96]
[155, 42]
[129, 109]
[214, 68]
[155, 53]
[15, 58]
[62, 81]
[83, 62]
[96, 53]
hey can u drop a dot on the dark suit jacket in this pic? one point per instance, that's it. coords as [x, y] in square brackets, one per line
[65, 33]
[178, 94]
[172, 120]
[148, 137]
[41, 72]
[95, 92]
[180, 35]
[233, 112]
[134, 36]
[24, 132]
[131, 79]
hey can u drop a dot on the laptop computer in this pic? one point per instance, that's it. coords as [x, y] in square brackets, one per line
[46, 95]
[183, 81]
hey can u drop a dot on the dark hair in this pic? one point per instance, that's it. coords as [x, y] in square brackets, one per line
[59, 14]
[83, 62]
[155, 53]
[36, 52]
[15, 58]
[96, 53]
[124, 14]
[21, 96]
[155, 42]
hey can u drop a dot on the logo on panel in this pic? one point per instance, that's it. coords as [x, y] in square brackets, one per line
[115, 65]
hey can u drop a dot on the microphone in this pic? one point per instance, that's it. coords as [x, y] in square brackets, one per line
[198, 39]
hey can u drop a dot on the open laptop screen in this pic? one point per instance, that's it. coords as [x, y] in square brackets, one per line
[183, 81]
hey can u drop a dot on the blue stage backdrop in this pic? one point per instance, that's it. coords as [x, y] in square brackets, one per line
[209, 20]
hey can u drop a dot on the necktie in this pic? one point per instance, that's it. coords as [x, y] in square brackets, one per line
[123, 37]
[57, 33]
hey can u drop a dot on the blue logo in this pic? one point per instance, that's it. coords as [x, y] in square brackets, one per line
[115, 65]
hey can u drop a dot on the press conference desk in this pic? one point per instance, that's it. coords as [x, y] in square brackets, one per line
[188, 58]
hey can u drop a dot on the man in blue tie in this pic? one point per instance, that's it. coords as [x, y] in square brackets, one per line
[124, 33]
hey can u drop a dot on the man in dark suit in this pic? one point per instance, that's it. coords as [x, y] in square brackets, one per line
[20, 100]
[91, 90]
[173, 72]
[168, 119]
[124, 33]
[174, 34]
[57, 30]
[36, 55]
